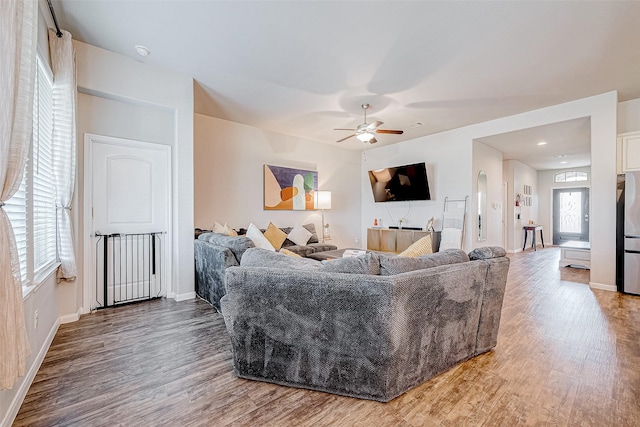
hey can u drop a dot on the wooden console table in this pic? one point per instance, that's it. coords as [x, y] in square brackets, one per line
[397, 240]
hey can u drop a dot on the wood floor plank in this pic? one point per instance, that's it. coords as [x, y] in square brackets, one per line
[567, 355]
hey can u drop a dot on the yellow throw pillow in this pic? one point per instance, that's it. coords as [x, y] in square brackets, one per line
[275, 236]
[287, 252]
[419, 247]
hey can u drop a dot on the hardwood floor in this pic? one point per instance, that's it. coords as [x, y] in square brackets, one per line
[567, 355]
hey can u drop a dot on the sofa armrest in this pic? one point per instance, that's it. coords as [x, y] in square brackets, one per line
[491, 311]
[211, 261]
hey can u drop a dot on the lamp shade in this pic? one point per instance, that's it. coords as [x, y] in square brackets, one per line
[323, 200]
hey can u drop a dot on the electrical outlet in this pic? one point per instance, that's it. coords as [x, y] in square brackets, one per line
[357, 240]
[36, 315]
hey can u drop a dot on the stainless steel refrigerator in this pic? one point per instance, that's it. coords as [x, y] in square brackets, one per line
[628, 229]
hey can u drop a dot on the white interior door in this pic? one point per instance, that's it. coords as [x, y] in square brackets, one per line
[129, 185]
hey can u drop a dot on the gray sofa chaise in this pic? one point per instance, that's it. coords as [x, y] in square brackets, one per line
[215, 252]
[370, 327]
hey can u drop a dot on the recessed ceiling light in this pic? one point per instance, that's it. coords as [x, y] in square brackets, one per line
[542, 143]
[415, 125]
[142, 50]
[564, 162]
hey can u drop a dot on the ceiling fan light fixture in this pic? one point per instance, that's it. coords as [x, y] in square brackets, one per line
[365, 136]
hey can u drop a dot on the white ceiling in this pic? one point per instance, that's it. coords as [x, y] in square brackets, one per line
[303, 68]
[568, 145]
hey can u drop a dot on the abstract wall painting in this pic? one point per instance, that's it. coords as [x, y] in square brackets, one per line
[289, 189]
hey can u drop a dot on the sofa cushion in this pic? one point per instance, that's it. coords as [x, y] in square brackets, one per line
[487, 252]
[237, 244]
[390, 265]
[368, 263]
[257, 257]
[420, 247]
[275, 236]
[258, 238]
[299, 235]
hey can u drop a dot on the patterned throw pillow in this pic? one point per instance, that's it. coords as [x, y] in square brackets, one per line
[275, 236]
[419, 247]
[258, 238]
[299, 235]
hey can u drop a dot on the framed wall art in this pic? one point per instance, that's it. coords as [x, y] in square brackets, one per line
[289, 188]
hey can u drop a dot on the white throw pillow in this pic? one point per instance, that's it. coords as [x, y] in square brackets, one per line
[218, 228]
[299, 235]
[229, 231]
[258, 238]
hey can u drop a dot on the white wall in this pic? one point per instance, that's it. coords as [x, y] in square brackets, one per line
[124, 98]
[629, 116]
[228, 178]
[545, 196]
[450, 155]
[489, 160]
[43, 300]
[517, 175]
[449, 173]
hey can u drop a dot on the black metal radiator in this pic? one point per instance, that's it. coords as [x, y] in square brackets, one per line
[129, 268]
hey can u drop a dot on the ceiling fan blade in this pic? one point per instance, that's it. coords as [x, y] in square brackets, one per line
[373, 141]
[395, 132]
[346, 137]
[352, 130]
[372, 126]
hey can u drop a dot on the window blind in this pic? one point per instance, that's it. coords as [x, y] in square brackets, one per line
[44, 191]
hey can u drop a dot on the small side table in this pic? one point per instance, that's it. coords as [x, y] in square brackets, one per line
[533, 228]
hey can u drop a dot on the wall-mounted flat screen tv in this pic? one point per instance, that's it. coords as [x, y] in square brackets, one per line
[400, 183]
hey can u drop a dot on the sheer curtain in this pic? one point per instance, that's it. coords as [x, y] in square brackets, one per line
[18, 28]
[64, 145]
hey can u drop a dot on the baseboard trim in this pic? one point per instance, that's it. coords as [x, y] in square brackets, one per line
[74, 317]
[603, 287]
[184, 297]
[29, 377]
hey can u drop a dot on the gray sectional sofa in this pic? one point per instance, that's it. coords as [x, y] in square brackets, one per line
[215, 252]
[370, 327]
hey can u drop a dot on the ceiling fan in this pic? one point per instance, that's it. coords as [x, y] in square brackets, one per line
[365, 131]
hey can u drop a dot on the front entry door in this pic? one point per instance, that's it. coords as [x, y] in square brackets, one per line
[130, 203]
[570, 215]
